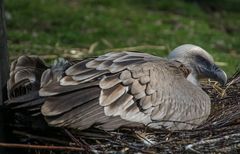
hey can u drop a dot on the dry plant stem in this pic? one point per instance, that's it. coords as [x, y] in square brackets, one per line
[85, 145]
[122, 143]
[210, 141]
[42, 147]
[53, 140]
[73, 138]
[92, 47]
[229, 148]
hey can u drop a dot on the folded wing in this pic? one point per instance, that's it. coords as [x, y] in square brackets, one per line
[123, 89]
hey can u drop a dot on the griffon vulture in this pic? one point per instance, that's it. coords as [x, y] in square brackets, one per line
[117, 89]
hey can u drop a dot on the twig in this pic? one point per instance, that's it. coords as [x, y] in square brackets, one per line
[123, 143]
[73, 138]
[226, 137]
[229, 148]
[85, 145]
[42, 147]
[42, 138]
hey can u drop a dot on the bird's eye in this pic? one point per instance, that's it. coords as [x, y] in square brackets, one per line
[203, 61]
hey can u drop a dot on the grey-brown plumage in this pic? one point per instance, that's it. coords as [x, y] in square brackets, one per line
[24, 83]
[130, 89]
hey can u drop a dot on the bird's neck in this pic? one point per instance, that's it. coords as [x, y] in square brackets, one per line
[193, 79]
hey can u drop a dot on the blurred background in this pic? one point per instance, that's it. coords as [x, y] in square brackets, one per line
[79, 28]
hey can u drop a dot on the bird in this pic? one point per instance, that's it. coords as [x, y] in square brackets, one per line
[117, 89]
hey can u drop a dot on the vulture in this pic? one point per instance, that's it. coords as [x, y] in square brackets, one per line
[116, 89]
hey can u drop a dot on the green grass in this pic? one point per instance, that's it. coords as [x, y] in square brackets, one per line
[46, 27]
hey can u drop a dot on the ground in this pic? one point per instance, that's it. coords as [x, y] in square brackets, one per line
[60, 27]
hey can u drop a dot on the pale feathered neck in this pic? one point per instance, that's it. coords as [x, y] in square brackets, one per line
[193, 79]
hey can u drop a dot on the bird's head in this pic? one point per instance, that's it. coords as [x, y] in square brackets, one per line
[200, 62]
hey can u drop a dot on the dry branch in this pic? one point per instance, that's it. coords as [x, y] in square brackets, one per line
[42, 147]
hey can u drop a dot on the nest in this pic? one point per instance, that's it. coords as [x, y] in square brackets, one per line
[219, 134]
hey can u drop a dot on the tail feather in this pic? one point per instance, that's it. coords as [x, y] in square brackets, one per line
[23, 98]
[23, 89]
[24, 83]
[25, 71]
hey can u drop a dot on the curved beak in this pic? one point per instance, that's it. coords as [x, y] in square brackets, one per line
[215, 73]
[220, 76]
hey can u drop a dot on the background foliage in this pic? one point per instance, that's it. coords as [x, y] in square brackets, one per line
[58, 27]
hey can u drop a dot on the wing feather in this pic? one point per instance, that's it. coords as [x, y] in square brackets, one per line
[127, 87]
[104, 65]
[109, 81]
[72, 115]
[119, 105]
[77, 68]
[55, 88]
[56, 105]
[109, 96]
